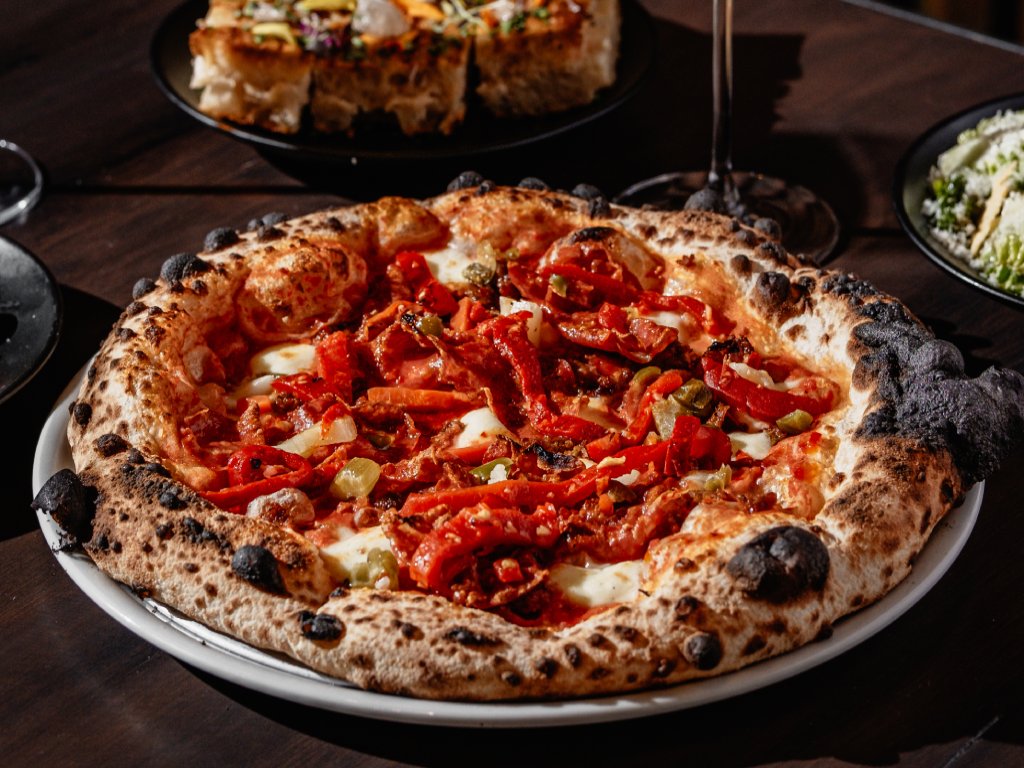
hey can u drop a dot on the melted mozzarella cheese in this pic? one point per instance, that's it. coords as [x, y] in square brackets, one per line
[514, 306]
[597, 410]
[479, 426]
[284, 360]
[598, 584]
[351, 549]
[681, 324]
[759, 377]
[449, 264]
[697, 479]
[754, 444]
[341, 430]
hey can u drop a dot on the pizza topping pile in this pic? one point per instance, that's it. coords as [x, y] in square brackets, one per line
[514, 436]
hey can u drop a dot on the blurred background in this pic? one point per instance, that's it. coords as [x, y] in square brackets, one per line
[1000, 19]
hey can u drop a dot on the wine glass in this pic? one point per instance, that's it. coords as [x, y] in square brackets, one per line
[21, 181]
[30, 302]
[804, 222]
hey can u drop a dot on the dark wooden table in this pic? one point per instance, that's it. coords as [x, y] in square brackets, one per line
[828, 94]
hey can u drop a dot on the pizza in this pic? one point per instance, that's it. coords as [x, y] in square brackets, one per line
[338, 63]
[514, 443]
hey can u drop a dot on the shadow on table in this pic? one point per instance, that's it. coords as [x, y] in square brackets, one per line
[665, 126]
[87, 320]
[796, 720]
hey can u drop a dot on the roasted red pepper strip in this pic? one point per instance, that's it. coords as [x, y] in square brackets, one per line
[454, 545]
[306, 387]
[712, 320]
[761, 402]
[638, 428]
[608, 287]
[585, 483]
[415, 400]
[334, 364]
[530, 493]
[427, 290]
[246, 472]
[513, 344]
[695, 445]
[668, 382]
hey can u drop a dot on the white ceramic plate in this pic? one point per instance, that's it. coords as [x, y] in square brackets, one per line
[279, 676]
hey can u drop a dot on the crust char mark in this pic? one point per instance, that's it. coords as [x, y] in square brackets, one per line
[921, 390]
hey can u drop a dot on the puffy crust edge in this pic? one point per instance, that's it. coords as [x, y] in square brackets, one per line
[887, 492]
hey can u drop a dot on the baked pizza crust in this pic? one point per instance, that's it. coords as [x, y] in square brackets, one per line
[759, 586]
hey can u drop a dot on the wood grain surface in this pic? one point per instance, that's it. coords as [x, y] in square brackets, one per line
[827, 94]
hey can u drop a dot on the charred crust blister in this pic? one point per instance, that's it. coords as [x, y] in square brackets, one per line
[547, 667]
[703, 650]
[465, 180]
[321, 627]
[467, 637]
[182, 265]
[532, 182]
[65, 499]
[143, 286]
[258, 566]
[923, 393]
[81, 413]
[586, 192]
[135, 308]
[768, 227]
[110, 445]
[597, 204]
[169, 498]
[222, 237]
[266, 221]
[197, 533]
[663, 668]
[134, 456]
[707, 199]
[849, 286]
[771, 291]
[780, 564]
[591, 235]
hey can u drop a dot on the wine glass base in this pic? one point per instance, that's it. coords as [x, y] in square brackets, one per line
[807, 224]
[30, 316]
[21, 181]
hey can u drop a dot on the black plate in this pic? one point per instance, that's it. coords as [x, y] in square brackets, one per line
[911, 189]
[480, 133]
[30, 316]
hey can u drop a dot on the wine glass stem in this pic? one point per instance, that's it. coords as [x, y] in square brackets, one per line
[720, 176]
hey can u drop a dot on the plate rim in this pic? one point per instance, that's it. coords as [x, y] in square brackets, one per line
[52, 339]
[205, 652]
[632, 12]
[902, 186]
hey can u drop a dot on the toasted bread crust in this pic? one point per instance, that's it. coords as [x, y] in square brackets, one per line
[706, 605]
[541, 63]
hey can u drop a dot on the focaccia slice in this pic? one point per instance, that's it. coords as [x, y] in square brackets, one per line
[264, 64]
[540, 57]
